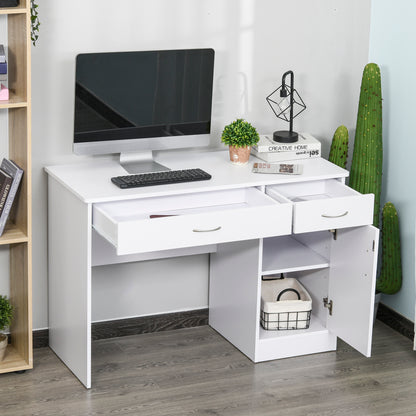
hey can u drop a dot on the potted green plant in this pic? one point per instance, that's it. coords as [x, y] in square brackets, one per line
[6, 316]
[239, 135]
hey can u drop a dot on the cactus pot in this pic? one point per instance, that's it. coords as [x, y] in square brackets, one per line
[3, 345]
[239, 155]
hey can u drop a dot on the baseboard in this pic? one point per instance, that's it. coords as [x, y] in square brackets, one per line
[199, 317]
[135, 326]
[40, 338]
[396, 321]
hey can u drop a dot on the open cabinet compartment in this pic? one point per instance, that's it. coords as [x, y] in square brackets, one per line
[15, 9]
[322, 264]
[19, 352]
[306, 259]
[342, 290]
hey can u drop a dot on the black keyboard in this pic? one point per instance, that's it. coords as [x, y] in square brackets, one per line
[160, 178]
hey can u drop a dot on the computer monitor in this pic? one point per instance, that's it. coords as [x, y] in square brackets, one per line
[133, 103]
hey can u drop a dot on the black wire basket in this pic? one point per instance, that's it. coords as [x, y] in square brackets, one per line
[285, 305]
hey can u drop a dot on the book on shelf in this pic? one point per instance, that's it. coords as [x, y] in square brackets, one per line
[305, 141]
[16, 173]
[2, 54]
[5, 183]
[3, 67]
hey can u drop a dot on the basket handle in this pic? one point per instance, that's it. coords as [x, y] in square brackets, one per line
[289, 289]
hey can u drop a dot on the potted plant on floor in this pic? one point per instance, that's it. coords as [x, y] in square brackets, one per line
[240, 135]
[6, 315]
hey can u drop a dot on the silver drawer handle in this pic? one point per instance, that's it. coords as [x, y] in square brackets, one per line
[334, 216]
[197, 230]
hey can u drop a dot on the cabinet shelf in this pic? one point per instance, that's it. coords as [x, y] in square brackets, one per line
[21, 8]
[286, 254]
[13, 10]
[13, 235]
[282, 344]
[13, 361]
[13, 102]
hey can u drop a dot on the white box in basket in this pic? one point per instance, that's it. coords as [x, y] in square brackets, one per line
[285, 304]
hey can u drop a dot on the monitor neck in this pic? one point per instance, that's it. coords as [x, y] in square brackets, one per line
[140, 162]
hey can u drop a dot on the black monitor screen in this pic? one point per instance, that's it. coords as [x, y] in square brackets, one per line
[124, 95]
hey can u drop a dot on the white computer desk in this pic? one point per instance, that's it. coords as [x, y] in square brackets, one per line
[311, 226]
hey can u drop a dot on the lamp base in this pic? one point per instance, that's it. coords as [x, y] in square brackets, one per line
[284, 136]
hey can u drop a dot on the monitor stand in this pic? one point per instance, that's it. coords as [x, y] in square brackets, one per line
[140, 163]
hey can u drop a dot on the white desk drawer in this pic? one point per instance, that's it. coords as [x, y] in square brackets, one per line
[191, 220]
[325, 205]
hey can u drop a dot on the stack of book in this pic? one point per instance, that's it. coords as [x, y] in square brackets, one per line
[305, 148]
[10, 178]
[4, 91]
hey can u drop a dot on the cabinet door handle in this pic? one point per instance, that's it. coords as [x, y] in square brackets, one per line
[335, 216]
[198, 230]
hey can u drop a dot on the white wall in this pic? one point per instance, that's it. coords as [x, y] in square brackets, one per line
[392, 48]
[325, 42]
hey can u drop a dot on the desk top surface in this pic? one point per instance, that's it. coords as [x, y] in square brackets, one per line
[91, 180]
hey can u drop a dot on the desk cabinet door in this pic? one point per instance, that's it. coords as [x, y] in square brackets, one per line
[352, 286]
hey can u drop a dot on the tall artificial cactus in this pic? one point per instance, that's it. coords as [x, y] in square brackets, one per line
[339, 147]
[367, 158]
[390, 279]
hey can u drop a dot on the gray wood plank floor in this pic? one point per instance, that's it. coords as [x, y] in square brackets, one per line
[196, 372]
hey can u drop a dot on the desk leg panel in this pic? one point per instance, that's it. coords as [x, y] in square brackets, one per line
[69, 263]
[234, 293]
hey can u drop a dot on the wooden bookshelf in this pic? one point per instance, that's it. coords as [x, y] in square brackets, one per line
[18, 234]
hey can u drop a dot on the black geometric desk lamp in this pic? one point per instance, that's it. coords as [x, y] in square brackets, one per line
[282, 101]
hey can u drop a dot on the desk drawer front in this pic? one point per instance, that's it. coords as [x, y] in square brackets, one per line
[191, 220]
[325, 205]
